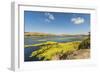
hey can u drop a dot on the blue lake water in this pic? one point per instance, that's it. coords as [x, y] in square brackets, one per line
[37, 40]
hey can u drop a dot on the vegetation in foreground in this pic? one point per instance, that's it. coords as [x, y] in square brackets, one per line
[49, 50]
[58, 51]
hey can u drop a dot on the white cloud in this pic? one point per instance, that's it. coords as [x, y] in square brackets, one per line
[78, 20]
[47, 20]
[49, 16]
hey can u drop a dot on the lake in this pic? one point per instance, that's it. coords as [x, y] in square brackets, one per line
[29, 40]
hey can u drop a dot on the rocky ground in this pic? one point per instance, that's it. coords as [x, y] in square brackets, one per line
[79, 54]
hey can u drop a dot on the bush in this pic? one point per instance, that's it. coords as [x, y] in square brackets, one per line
[85, 44]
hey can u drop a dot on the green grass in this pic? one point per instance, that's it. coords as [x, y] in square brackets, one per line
[46, 43]
[49, 49]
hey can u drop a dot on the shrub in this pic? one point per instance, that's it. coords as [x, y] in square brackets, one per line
[85, 44]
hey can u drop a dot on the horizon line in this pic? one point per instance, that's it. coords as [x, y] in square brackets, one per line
[85, 33]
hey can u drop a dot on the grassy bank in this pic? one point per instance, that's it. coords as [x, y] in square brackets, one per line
[49, 50]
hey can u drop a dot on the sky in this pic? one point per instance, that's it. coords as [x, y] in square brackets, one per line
[56, 22]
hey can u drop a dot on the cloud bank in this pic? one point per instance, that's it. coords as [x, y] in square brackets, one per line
[78, 20]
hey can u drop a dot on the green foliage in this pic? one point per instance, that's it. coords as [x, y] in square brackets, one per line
[85, 44]
[41, 44]
[49, 49]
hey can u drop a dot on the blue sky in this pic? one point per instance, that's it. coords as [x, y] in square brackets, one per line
[56, 22]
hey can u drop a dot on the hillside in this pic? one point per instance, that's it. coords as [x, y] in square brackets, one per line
[48, 34]
[38, 34]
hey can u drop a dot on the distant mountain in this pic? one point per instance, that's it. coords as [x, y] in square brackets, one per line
[74, 35]
[38, 34]
[48, 34]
